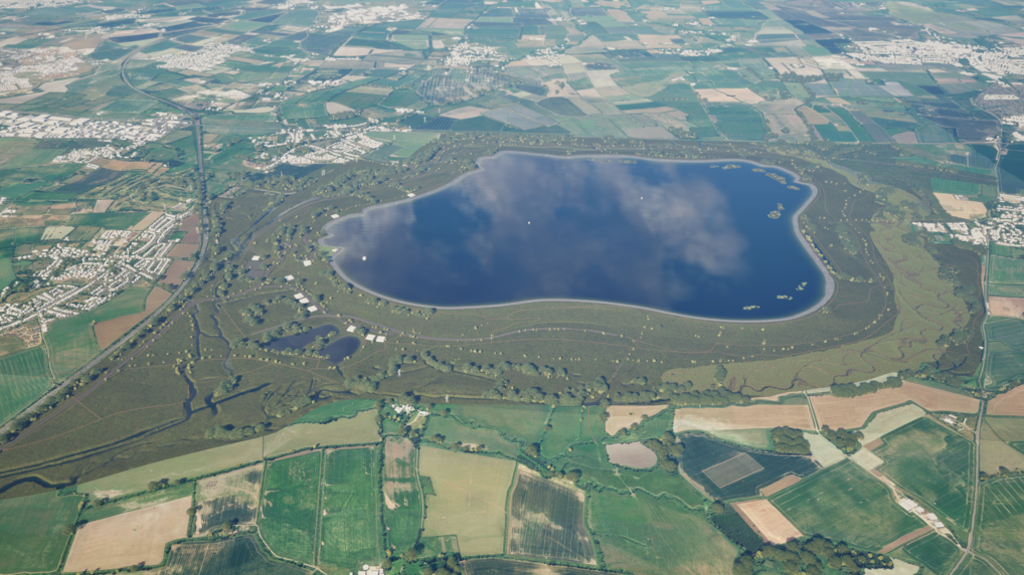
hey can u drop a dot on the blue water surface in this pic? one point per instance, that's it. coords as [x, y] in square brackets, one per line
[693, 238]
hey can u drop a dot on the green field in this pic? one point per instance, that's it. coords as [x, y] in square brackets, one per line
[845, 503]
[934, 552]
[288, 513]
[522, 422]
[1005, 353]
[650, 536]
[97, 512]
[1002, 523]
[470, 498]
[513, 567]
[566, 429]
[350, 528]
[455, 432]
[109, 220]
[409, 142]
[546, 521]
[72, 343]
[403, 499]
[969, 189]
[933, 465]
[31, 537]
[24, 376]
[1006, 272]
[337, 410]
[241, 556]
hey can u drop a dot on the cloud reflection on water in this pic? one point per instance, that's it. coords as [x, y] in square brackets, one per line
[529, 227]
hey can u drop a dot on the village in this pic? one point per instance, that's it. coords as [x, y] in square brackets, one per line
[79, 279]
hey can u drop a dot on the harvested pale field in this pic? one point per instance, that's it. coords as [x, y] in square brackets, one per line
[996, 453]
[124, 166]
[652, 41]
[130, 538]
[183, 250]
[779, 485]
[146, 221]
[619, 15]
[470, 500]
[756, 438]
[353, 51]
[635, 455]
[56, 232]
[730, 95]
[445, 23]
[961, 207]
[823, 451]
[871, 446]
[888, 421]
[742, 417]
[107, 332]
[866, 459]
[767, 520]
[812, 116]
[905, 138]
[190, 226]
[334, 108]
[1009, 403]
[231, 496]
[852, 413]
[622, 416]
[176, 271]
[906, 539]
[464, 113]
[102, 206]
[1006, 306]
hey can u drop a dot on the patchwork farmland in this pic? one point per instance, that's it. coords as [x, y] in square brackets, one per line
[727, 471]
[403, 498]
[350, 519]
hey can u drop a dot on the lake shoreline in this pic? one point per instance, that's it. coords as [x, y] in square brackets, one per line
[828, 287]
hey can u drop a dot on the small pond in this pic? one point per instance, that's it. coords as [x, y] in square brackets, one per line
[335, 351]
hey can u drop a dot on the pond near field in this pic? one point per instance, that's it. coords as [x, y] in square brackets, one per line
[709, 239]
[335, 351]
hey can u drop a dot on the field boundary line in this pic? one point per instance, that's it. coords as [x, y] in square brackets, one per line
[508, 508]
[318, 529]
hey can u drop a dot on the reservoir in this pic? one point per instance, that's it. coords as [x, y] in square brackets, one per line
[706, 239]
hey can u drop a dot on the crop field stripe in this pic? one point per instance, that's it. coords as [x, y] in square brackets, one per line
[732, 470]
[318, 532]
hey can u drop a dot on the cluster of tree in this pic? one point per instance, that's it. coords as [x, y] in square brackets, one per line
[855, 390]
[734, 527]
[801, 79]
[440, 565]
[227, 385]
[809, 557]
[253, 314]
[847, 441]
[508, 392]
[232, 433]
[398, 309]
[364, 384]
[669, 452]
[789, 440]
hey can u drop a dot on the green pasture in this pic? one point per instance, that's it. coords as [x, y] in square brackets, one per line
[566, 429]
[933, 464]
[969, 189]
[1002, 522]
[524, 423]
[288, 513]
[31, 531]
[337, 410]
[649, 536]
[109, 220]
[24, 376]
[933, 551]
[455, 432]
[350, 520]
[1006, 272]
[846, 503]
[7, 276]
[11, 238]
